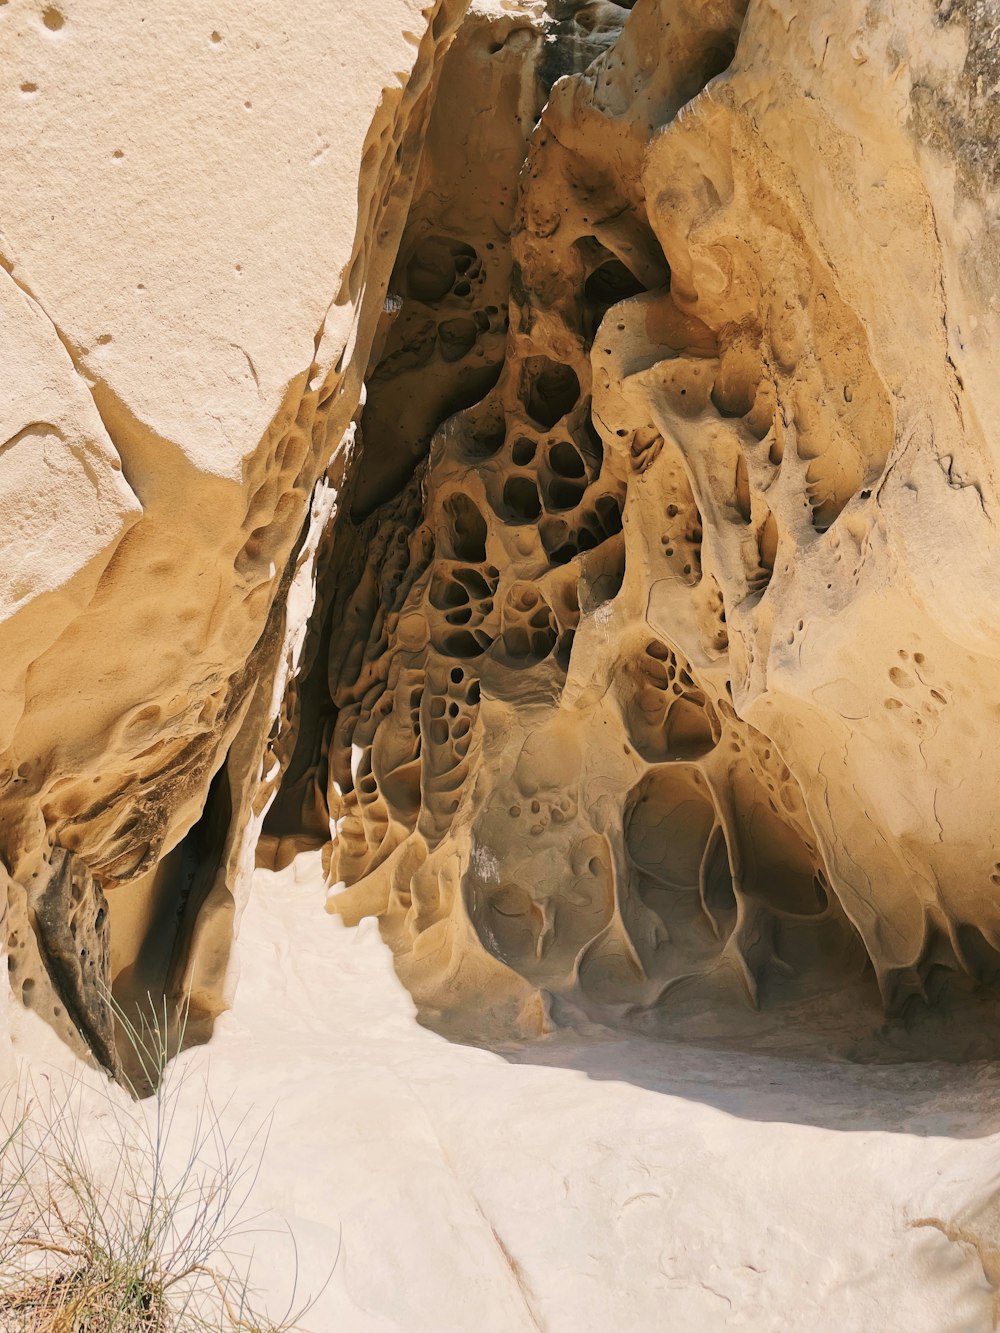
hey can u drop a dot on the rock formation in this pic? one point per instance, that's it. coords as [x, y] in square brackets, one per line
[652, 661]
[200, 219]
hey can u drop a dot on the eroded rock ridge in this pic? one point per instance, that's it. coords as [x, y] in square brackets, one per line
[640, 466]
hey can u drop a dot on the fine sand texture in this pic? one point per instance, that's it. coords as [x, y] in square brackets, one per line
[586, 1182]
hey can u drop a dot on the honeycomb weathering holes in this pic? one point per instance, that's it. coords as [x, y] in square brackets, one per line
[609, 576]
[548, 390]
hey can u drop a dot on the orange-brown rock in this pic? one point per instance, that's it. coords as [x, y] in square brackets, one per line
[622, 377]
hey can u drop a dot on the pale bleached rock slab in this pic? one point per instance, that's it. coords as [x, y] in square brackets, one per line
[202, 209]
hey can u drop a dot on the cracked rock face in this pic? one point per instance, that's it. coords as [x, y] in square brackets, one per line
[652, 665]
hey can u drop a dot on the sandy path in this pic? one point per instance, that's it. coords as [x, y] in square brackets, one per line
[619, 1185]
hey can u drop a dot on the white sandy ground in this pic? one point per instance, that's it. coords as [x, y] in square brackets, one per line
[581, 1185]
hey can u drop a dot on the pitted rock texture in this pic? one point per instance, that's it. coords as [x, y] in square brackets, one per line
[621, 380]
[654, 685]
[201, 212]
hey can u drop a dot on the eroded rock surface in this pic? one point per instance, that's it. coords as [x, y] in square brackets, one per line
[200, 215]
[652, 667]
[661, 681]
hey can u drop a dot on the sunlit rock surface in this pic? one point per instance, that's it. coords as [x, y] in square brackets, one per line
[555, 444]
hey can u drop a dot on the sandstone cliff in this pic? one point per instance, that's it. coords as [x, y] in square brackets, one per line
[201, 216]
[621, 377]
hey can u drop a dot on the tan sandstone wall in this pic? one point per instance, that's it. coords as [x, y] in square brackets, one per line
[624, 377]
[680, 666]
[200, 211]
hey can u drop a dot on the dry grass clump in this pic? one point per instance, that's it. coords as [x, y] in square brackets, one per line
[120, 1217]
